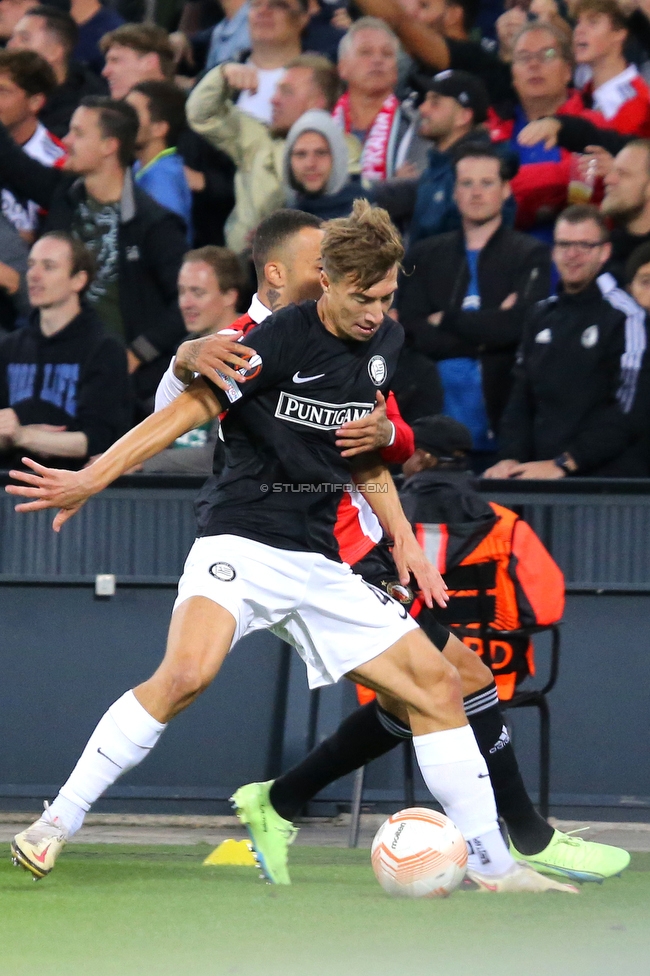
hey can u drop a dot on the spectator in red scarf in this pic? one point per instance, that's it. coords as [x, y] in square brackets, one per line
[369, 109]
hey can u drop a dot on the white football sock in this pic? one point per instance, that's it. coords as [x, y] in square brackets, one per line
[455, 772]
[126, 733]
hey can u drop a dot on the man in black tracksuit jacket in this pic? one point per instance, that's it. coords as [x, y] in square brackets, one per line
[513, 271]
[579, 401]
[150, 240]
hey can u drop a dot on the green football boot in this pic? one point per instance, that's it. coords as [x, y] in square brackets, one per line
[575, 858]
[270, 833]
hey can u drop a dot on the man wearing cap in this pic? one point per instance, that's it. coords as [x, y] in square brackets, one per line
[452, 113]
[465, 294]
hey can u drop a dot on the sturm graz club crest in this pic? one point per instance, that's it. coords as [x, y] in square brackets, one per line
[223, 571]
[377, 370]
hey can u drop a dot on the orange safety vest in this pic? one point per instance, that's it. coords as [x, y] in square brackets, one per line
[529, 590]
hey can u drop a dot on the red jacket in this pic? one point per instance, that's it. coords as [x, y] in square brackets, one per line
[632, 96]
[540, 189]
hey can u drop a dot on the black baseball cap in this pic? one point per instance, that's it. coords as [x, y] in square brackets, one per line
[442, 436]
[468, 90]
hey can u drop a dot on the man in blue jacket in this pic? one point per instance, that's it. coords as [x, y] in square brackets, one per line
[159, 169]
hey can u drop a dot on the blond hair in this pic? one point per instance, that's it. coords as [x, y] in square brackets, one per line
[365, 246]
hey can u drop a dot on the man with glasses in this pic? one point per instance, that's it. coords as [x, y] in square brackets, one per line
[541, 74]
[576, 407]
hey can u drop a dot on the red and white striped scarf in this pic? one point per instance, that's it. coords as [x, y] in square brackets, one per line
[374, 157]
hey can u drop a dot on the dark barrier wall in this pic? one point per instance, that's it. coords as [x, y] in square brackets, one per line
[67, 654]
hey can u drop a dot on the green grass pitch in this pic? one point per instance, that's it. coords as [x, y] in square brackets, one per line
[156, 911]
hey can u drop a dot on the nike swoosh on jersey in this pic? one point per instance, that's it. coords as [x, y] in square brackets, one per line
[297, 378]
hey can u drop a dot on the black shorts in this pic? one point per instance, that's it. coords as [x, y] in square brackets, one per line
[378, 568]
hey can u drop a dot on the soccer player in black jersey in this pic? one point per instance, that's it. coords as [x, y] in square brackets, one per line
[286, 248]
[268, 558]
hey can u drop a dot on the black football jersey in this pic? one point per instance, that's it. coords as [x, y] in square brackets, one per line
[284, 476]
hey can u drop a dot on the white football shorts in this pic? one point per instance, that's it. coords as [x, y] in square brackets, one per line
[334, 620]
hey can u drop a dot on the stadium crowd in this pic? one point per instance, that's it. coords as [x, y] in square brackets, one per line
[142, 145]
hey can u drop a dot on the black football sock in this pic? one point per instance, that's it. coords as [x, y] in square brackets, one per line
[369, 732]
[529, 832]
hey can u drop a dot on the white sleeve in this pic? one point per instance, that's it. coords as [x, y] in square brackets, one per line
[169, 388]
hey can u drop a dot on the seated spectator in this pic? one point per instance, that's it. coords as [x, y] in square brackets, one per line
[275, 30]
[26, 80]
[316, 177]
[310, 81]
[465, 294]
[436, 34]
[574, 407]
[142, 52]
[627, 204]
[541, 74]
[64, 389]
[369, 109]
[13, 286]
[615, 89]
[210, 284]
[94, 19]
[53, 35]
[139, 245]
[159, 168]
[637, 275]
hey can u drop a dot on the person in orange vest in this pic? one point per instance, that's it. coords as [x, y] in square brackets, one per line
[457, 527]
[464, 527]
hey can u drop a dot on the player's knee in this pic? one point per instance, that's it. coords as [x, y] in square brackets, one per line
[184, 683]
[474, 674]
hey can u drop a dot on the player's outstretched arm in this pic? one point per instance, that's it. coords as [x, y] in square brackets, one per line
[69, 490]
[375, 483]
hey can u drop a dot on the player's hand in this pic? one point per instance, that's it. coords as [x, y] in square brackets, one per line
[241, 77]
[371, 433]
[210, 355]
[409, 558]
[51, 488]
[502, 469]
[542, 130]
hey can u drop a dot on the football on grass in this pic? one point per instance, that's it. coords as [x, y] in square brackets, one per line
[418, 853]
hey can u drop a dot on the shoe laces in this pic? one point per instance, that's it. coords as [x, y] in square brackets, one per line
[570, 839]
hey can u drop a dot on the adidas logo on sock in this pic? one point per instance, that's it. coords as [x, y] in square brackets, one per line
[475, 847]
[502, 741]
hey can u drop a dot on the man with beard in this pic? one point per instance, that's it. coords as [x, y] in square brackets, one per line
[627, 202]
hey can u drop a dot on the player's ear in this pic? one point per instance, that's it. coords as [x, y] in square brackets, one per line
[274, 273]
[324, 280]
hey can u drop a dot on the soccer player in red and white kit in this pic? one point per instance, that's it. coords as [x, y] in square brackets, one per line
[267, 556]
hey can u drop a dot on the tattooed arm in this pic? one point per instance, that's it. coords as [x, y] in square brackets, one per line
[211, 355]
